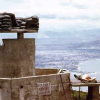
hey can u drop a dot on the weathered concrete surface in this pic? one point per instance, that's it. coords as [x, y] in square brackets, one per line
[27, 88]
[30, 87]
[45, 71]
[5, 89]
[93, 93]
[17, 58]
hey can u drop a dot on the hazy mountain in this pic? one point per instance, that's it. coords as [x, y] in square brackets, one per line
[50, 37]
[85, 34]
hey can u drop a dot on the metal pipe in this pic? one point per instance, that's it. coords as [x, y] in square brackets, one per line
[79, 94]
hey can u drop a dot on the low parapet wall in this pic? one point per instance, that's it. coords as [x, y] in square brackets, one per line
[45, 87]
[46, 71]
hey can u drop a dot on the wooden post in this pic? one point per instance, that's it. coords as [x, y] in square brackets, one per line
[20, 35]
[79, 94]
[90, 91]
[93, 93]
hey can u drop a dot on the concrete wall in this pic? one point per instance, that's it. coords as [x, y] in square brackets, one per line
[5, 89]
[45, 71]
[17, 58]
[27, 88]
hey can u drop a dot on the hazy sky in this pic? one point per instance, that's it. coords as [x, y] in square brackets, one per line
[57, 15]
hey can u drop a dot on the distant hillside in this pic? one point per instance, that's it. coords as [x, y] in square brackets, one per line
[85, 45]
[63, 38]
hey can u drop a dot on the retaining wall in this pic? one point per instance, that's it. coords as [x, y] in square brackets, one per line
[45, 87]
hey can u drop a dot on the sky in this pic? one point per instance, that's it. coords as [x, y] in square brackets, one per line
[57, 15]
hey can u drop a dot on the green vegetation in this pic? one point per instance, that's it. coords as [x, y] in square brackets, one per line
[82, 95]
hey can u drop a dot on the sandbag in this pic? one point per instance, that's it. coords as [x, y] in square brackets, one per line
[6, 28]
[6, 19]
[1, 17]
[12, 16]
[20, 18]
[19, 21]
[7, 16]
[23, 24]
[22, 27]
[7, 23]
[33, 23]
[34, 26]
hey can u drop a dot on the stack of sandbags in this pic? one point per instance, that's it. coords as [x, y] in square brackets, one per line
[0, 24]
[21, 22]
[28, 23]
[23, 25]
[8, 22]
[32, 22]
[12, 16]
[5, 22]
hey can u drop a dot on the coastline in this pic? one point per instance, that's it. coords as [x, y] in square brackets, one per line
[91, 67]
[92, 70]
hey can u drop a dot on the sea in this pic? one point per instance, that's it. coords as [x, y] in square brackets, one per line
[77, 57]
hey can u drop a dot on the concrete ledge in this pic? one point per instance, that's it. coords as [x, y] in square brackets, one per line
[85, 84]
[20, 31]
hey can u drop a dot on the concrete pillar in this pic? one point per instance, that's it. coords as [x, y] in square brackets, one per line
[17, 58]
[93, 93]
[20, 35]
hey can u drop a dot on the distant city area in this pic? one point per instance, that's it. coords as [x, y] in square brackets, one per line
[67, 56]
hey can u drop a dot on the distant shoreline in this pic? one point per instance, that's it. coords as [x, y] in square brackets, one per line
[90, 67]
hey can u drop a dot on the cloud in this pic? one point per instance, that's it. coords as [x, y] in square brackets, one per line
[67, 25]
[57, 15]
